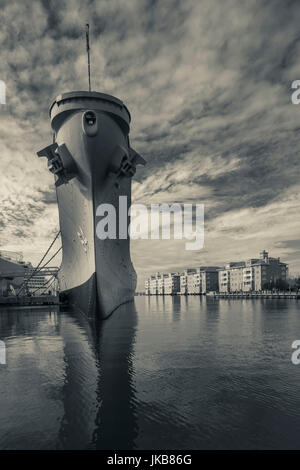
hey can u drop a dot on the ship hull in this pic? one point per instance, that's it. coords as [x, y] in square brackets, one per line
[96, 274]
[83, 297]
[85, 300]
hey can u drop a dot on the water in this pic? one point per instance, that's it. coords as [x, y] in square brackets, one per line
[171, 373]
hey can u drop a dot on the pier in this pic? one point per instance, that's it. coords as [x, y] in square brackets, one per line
[234, 295]
[255, 295]
[21, 301]
[21, 284]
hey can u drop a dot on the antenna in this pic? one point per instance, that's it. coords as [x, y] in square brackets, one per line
[88, 53]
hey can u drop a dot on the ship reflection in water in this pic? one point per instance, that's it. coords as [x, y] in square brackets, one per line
[165, 373]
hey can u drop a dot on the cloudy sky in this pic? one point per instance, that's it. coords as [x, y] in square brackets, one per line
[208, 84]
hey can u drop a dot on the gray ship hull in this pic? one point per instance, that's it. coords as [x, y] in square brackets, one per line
[93, 165]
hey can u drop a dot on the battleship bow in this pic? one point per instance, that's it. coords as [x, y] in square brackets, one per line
[93, 164]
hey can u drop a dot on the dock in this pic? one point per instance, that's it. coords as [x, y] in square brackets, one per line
[21, 301]
[255, 295]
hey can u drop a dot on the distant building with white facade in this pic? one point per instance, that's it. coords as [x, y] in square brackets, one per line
[204, 279]
[153, 284]
[191, 281]
[255, 274]
[172, 284]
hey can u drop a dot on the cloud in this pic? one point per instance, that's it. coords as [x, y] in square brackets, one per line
[208, 87]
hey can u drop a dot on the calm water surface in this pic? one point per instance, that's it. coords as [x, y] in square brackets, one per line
[169, 373]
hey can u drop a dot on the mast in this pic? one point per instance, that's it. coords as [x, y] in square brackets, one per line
[88, 53]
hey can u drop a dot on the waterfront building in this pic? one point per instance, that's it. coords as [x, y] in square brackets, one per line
[35, 284]
[231, 277]
[209, 276]
[13, 271]
[204, 279]
[255, 274]
[186, 278]
[183, 284]
[18, 276]
[161, 284]
[191, 281]
[172, 284]
[153, 284]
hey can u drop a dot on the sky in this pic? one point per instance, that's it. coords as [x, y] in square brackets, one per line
[208, 85]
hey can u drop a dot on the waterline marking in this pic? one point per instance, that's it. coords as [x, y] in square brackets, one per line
[2, 353]
[159, 222]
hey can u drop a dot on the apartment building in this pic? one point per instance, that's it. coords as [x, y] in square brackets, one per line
[231, 277]
[193, 281]
[183, 283]
[255, 274]
[186, 278]
[209, 279]
[161, 284]
[203, 280]
[199, 280]
[172, 284]
[153, 284]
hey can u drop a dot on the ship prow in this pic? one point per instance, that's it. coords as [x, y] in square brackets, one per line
[93, 164]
